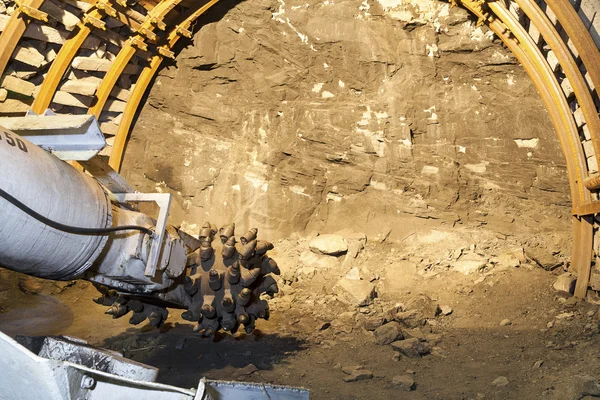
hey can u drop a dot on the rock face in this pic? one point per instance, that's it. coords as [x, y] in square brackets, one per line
[295, 116]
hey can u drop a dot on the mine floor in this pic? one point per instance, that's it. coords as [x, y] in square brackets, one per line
[508, 334]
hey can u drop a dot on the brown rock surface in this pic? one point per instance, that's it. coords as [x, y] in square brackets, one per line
[297, 116]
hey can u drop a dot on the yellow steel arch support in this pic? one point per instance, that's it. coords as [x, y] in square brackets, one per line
[144, 80]
[153, 20]
[15, 28]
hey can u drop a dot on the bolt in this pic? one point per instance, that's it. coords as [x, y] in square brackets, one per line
[87, 382]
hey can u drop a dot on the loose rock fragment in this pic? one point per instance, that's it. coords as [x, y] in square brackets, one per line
[412, 348]
[505, 322]
[355, 293]
[404, 382]
[543, 258]
[446, 310]
[332, 245]
[576, 387]
[357, 374]
[565, 283]
[388, 333]
[500, 381]
[245, 371]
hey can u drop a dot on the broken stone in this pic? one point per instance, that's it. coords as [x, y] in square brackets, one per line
[73, 100]
[566, 315]
[469, 264]
[46, 33]
[354, 247]
[3, 94]
[29, 285]
[353, 274]
[538, 364]
[415, 333]
[100, 65]
[355, 293]
[506, 260]
[388, 333]
[29, 55]
[373, 323]
[16, 85]
[446, 310]
[84, 87]
[425, 306]
[245, 371]
[332, 245]
[543, 258]
[500, 381]
[12, 106]
[358, 375]
[565, 283]
[505, 322]
[412, 348]
[410, 319]
[311, 259]
[577, 387]
[404, 382]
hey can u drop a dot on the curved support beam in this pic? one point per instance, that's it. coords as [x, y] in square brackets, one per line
[572, 24]
[556, 104]
[581, 256]
[153, 20]
[566, 61]
[144, 80]
[15, 28]
[63, 60]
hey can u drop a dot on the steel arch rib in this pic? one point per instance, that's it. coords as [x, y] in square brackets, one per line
[569, 67]
[580, 37]
[581, 256]
[126, 53]
[142, 83]
[60, 64]
[15, 28]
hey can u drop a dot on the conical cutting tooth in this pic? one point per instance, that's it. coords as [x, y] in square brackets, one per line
[249, 326]
[228, 322]
[190, 286]
[243, 319]
[269, 265]
[244, 296]
[214, 280]
[262, 246]
[155, 319]
[247, 250]
[228, 303]
[135, 306]
[227, 232]
[249, 276]
[137, 318]
[233, 274]
[206, 232]
[229, 249]
[268, 285]
[117, 310]
[249, 236]
[206, 250]
[208, 311]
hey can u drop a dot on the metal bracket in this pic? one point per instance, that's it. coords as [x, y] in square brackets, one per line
[95, 22]
[105, 6]
[165, 52]
[69, 137]
[163, 200]
[31, 12]
[138, 42]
